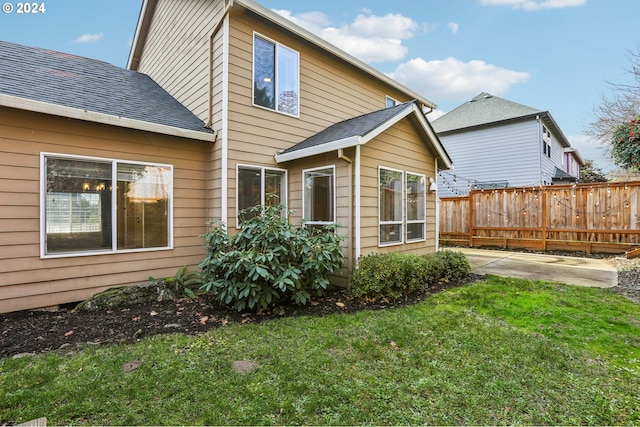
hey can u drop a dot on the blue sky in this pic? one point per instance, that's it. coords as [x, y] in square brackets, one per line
[554, 55]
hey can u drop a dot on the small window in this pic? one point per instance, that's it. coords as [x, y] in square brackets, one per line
[416, 207]
[276, 81]
[390, 206]
[101, 205]
[319, 196]
[259, 186]
[390, 102]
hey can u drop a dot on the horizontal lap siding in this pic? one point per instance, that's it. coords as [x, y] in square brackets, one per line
[26, 281]
[397, 148]
[508, 153]
[176, 53]
[330, 92]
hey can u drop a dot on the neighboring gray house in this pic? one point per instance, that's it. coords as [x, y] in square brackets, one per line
[497, 143]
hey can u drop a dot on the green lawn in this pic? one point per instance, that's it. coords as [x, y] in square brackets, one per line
[505, 351]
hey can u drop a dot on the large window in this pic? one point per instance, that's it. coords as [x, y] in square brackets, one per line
[259, 186]
[276, 82]
[391, 212]
[402, 214]
[101, 205]
[416, 206]
[318, 196]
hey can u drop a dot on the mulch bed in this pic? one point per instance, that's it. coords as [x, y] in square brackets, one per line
[31, 332]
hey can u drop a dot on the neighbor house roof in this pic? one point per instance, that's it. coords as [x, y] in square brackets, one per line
[148, 7]
[58, 83]
[360, 130]
[488, 110]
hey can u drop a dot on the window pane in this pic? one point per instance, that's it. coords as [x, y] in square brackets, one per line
[390, 195]
[415, 197]
[249, 190]
[264, 72]
[143, 206]
[415, 231]
[78, 205]
[318, 195]
[287, 81]
[390, 233]
[274, 188]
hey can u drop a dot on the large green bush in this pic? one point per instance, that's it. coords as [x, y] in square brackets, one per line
[395, 275]
[269, 259]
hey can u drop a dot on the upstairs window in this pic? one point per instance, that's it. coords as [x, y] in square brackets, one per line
[276, 77]
[390, 102]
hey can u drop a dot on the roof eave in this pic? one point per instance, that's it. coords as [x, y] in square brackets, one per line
[319, 149]
[96, 117]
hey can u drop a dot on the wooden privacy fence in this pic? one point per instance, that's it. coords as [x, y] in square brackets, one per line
[584, 217]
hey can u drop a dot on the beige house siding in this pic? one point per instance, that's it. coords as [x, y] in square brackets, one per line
[177, 50]
[343, 200]
[398, 148]
[26, 280]
[330, 91]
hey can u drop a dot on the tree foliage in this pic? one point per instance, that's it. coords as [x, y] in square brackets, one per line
[623, 106]
[625, 148]
[589, 172]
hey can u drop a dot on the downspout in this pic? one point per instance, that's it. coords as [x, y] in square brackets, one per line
[350, 210]
[356, 209]
[216, 28]
[437, 208]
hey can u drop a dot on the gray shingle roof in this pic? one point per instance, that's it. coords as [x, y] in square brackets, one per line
[482, 110]
[91, 85]
[357, 126]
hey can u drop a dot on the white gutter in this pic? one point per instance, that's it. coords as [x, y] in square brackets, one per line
[107, 119]
[319, 149]
[224, 155]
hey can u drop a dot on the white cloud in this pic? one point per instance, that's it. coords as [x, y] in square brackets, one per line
[452, 79]
[89, 38]
[435, 114]
[369, 38]
[453, 26]
[533, 5]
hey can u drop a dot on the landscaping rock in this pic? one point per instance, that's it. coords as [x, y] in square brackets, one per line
[115, 297]
[244, 366]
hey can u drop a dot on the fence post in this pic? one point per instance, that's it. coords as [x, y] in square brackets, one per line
[471, 204]
[544, 218]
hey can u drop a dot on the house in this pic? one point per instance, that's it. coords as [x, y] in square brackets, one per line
[109, 175]
[495, 143]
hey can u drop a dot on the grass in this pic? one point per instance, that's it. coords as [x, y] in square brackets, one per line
[505, 351]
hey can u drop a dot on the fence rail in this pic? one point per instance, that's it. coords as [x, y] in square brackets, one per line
[584, 218]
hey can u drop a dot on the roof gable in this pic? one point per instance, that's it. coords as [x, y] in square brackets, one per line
[484, 109]
[360, 130]
[147, 12]
[63, 84]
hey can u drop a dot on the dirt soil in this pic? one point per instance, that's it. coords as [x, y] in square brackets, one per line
[66, 330]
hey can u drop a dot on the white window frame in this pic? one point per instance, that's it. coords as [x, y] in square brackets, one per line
[262, 170]
[277, 46]
[114, 201]
[334, 213]
[402, 207]
[424, 207]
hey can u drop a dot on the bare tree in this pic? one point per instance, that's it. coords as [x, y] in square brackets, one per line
[621, 107]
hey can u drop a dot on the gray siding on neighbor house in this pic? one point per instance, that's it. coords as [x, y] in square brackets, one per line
[508, 152]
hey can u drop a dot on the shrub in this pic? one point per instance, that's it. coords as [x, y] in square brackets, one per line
[456, 266]
[392, 275]
[395, 275]
[269, 259]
